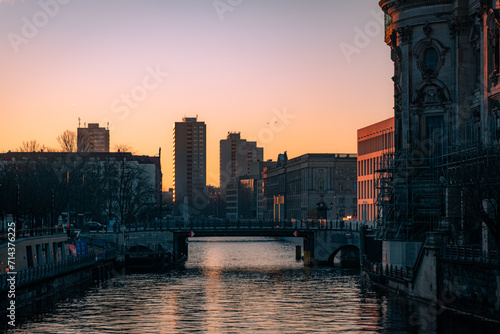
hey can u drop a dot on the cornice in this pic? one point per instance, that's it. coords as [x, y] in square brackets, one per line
[386, 5]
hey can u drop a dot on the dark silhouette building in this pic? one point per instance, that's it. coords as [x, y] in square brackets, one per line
[92, 138]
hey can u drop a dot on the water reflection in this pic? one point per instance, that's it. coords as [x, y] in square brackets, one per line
[241, 286]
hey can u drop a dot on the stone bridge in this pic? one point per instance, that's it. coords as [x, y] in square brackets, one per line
[321, 241]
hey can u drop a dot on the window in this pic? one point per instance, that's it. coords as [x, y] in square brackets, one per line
[431, 59]
[435, 134]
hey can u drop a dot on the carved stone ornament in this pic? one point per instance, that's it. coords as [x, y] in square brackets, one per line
[494, 78]
[431, 93]
[406, 35]
[494, 107]
[427, 29]
[459, 26]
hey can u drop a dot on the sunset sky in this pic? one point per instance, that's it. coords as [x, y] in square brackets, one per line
[142, 65]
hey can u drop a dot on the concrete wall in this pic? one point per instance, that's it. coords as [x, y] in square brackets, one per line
[470, 286]
[463, 285]
[425, 283]
[400, 253]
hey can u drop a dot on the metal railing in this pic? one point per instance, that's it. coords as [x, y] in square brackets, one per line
[468, 253]
[266, 225]
[30, 275]
[387, 271]
[245, 224]
[31, 232]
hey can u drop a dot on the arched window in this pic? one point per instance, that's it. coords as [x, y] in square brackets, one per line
[431, 59]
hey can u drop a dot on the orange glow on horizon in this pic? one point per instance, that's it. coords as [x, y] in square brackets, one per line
[143, 66]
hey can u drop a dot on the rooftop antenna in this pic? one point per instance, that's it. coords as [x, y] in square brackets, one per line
[107, 127]
[78, 121]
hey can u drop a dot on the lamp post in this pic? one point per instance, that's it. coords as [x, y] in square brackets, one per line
[1, 209]
[168, 208]
[67, 192]
[84, 198]
[322, 210]
[217, 207]
[52, 225]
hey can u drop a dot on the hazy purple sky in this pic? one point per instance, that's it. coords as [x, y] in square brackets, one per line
[236, 67]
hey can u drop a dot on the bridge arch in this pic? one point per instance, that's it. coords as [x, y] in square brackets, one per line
[139, 249]
[351, 253]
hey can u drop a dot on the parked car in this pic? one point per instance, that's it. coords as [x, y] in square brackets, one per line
[93, 227]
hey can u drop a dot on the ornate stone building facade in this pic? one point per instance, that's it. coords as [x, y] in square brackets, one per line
[446, 57]
[311, 186]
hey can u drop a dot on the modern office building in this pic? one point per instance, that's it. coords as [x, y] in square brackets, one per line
[236, 155]
[245, 196]
[375, 142]
[190, 165]
[92, 138]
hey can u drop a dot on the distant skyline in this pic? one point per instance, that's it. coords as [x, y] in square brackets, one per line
[293, 75]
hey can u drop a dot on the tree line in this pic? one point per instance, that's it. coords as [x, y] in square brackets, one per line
[38, 191]
[68, 142]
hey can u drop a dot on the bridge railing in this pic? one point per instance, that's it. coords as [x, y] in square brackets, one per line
[266, 224]
[30, 232]
[175, 224]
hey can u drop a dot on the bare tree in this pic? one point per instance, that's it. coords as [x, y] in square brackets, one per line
[30, 146]
[34, 146]
[83, 143]
[67, 140]
[123, 148]
[135, 193]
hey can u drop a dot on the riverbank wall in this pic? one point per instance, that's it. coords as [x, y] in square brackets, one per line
[40, 266]
[447, 277]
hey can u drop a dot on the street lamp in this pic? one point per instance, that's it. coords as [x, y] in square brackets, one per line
[1, 208]
[322, 210]
[166, 207]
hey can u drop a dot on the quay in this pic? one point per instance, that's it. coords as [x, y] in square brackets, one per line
[45, 265]
[462, 279]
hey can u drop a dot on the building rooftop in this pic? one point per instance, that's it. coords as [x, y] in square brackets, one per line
[190, 119]
[377, 128]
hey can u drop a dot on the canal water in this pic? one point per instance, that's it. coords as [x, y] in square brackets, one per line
[235, 285]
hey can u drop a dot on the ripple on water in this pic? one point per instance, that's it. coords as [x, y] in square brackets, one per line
[231, 287]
